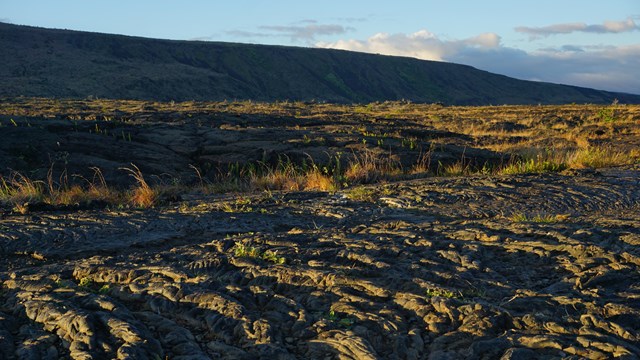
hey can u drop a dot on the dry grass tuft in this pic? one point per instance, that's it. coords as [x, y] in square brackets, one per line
[369, 167]
[599, 157]
[459, 168]
[285, 177]
[18, 189]
[316, 180]
[142, 195]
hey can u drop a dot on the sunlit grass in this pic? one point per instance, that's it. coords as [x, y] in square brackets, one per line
[600, 157]
[19, 191]
[18, 188]
[142, 195]
[532, 165]
[369, 167]
[538, 218]
[535, 139]
[554, 160]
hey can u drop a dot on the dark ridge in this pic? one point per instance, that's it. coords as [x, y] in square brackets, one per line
[72, 64]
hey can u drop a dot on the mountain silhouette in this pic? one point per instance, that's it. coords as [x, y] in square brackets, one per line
[72, 64]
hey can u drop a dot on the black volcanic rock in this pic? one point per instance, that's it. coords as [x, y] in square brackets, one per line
[72, 64]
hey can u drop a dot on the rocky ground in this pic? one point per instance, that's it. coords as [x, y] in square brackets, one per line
[537, 266]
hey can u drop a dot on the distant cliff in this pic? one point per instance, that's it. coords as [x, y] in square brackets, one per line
[62, 63]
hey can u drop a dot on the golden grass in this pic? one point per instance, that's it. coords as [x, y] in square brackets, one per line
[369, 167]
[287, 176]
[535, 161]
[366, 167]
[459, 168]
[539, 218]
[600, 157]
[553, 160]
[316, 180]
[19, 189]
[294, 181]
[535, 138]
[142, 195]
[423, 163]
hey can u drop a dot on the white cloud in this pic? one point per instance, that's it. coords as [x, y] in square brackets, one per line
[421, 44]
[609, 68]
[606, 27]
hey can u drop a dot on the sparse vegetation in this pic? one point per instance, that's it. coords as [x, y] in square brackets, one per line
[538, 163]
[361, 193]
[239, 205]
[85, 282]
[600, 157]
[456, 169]
[538, 218]
[524, 140]
[369, 167]
[142, 195]
[21, 191]
[442, 293]
[344, 322]
[243, 250]
[18, 189]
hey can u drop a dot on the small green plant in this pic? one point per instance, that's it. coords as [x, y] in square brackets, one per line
[410, 143]
[608, 114]
[89, 285]
[85, 282]
[442, 293]
[272, 256]
[343, 322]
[242, 250]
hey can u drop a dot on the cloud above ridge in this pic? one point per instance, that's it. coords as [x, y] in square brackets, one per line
[567, 28]
[421, 44]
[307, 32]
[600, 67]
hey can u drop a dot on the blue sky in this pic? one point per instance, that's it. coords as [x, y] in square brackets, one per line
[592, 43]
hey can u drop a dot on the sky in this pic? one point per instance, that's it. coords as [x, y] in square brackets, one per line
[590, 43]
